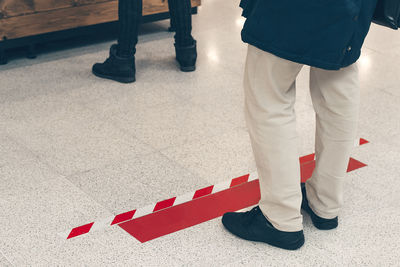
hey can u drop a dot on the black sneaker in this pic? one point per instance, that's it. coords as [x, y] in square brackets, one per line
[186, 56]
[320, 223]
[252, 225]
[116, 68]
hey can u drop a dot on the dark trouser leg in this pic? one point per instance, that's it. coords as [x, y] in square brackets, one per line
[3, 57]
[181, 19]
[130, 14]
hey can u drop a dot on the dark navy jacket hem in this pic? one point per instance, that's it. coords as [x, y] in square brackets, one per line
[292, 57]
[326, 34]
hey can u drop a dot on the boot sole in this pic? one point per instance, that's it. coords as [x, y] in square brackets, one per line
[188, 69]
[296, 244]
[326, 226]
[117, 79]
[293, 246]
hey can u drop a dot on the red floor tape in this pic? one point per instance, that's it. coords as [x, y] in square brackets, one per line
[205, 208]
[192, 213]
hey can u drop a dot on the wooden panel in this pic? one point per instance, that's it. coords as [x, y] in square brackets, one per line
[45, 5]
[67, 18]
[12, 8]
[151, 4]
[146, 3]
[87, 2]
[158, 6]
[58, 20]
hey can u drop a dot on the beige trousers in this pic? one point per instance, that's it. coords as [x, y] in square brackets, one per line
[270, 94]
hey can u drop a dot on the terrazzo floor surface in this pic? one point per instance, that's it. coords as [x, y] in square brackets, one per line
[75, 148]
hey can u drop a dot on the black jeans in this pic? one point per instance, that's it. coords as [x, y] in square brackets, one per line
[130, 14]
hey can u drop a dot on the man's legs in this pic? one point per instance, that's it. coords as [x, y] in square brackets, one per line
[335, 96]
[270, 96]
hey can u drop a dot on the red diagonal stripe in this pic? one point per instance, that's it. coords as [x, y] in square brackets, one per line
[240, 180]
[164, 204]
[203, 192]
[80, 230]
[123, 217]
[307, 159]
[363, 141]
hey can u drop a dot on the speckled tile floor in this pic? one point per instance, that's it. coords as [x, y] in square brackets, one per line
[74, 148]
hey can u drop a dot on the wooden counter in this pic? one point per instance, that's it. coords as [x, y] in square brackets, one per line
[22, 18]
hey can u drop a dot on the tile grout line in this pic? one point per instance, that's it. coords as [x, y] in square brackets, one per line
[109, 120]
[161, 152]
[235, 128]
[181, 166]
[21, 144]
[62, 176]
[127, 132]
[88, 195]
[4, 256]
[109, 164]
[108, 220]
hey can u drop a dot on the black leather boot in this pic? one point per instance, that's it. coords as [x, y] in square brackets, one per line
[186, 56]
[120, 69]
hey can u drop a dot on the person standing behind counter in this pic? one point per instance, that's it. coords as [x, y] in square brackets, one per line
[283, 36]
[120, 65]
